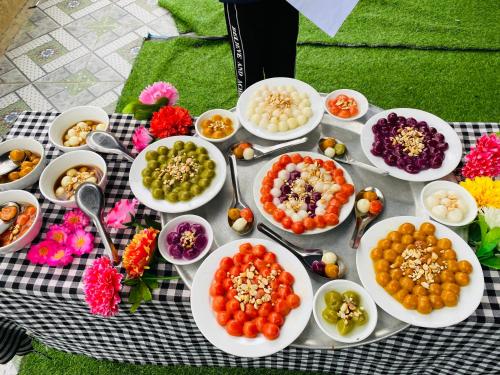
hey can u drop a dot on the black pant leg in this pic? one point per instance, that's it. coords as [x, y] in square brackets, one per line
[246, 45]
[280, 40]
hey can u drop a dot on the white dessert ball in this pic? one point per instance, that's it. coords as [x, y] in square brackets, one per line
[329, 257]
[439, 211]
[283, 126]
[455, 215]
[431, 201]
[273, 128]
[363, 205]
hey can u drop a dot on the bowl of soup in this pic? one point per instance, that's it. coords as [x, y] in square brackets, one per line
[69, 130]
[30, 156]
[63, 175]
[25, 222]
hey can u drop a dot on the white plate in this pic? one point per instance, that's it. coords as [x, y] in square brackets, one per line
[470, 295]
[451, 156]
[205, 319]
[344, 212]
[359, 333]
[316, 106]
[145, 196]
[356, 95]
[463, 195]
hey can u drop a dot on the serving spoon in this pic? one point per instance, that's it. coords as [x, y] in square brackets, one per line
[90, 199]
[306, 256]
[237, 201]
[4, 225]
[261, 151]
[346, 158]
[7, 165]
[107, 143]
[363, 219]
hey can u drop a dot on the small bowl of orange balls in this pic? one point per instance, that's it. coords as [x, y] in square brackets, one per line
[217, 125]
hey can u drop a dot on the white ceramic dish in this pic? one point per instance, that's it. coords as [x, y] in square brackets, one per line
[71, 117]
[222, 112]
[462, 193]
[451, 156]
[360, 99]
[145, 196]
[359, 333]
[205, 318]
[172, 225]
[311, 124]
[344, 212]
[67, 161]
[470, 295]
[24, 144]
[21, 196]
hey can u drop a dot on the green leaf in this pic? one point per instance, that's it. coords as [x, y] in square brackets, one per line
[482, 225]
[143, 115]
[492, 262]
[135, 306]
[151, 283]
[493, 235]
[130, 282]
[145, 292]
[474, 233]
[150, 222]
[130, 107]
[135, 294]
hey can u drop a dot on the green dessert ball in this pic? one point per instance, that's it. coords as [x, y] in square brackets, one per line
[162, 159]
[146, 172]
[201, 150]
[345, 326]
[146, 181]
[207, 173]
[156, 184]
[171, 153]
[196, 190]
[333, 300]
[186, 185]
[202, 157]
[184, 196]
[163, 150]
[151, 155]
[166, 188]
[178, 145]
[158, 194]
[330, 315]
[204, 182]
[210, 164]
[189, 146]
[351, 296]
[172, 197]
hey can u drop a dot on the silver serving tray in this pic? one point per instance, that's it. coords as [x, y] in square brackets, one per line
[402, 198]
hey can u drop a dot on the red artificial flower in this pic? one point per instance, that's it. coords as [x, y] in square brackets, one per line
[170, 121]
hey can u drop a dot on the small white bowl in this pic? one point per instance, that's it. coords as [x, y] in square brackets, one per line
[360, 99]
[171, 225]
[67, 161]
[359, 333]
[24, 144]
[21, 196]
[462, 193]
[71, 117]
[210, 113]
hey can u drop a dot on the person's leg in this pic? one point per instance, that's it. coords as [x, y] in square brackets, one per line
[282, 28]
[245, 44]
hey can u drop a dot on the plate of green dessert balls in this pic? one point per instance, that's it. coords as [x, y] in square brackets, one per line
[177, 174]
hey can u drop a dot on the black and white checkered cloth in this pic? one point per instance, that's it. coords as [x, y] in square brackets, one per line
[49, 304]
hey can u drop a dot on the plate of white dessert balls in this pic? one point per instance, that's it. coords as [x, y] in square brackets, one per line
[449, 203]
[280, 109]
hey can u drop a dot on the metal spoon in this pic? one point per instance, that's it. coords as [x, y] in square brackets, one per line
[107, 143]
[237, 199]
[90, 199]
[260, 151]
[346, 158]
[305, 256]
[363, 219]
[4, 225]
[7, 165]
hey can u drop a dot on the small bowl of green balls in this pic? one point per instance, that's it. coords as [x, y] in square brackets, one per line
[177, 174]
[345, 311]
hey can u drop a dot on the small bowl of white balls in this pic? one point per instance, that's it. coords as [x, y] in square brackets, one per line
[69, 130]
[448, 203]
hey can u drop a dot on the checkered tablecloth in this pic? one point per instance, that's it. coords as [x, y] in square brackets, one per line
[49, 304]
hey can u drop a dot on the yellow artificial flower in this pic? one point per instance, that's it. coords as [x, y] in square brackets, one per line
[485, 191]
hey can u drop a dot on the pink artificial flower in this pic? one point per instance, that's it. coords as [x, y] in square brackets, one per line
[57, 233]
[40, 252]
[159, 90]
[75, 219]
[60, 256]
[484, 159]
[81, 242]
[141, 138]
[122, 213]
[102, 285]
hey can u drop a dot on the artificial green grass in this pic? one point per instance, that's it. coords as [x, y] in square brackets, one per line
[423, 23]
[457, 86]
[61, 363]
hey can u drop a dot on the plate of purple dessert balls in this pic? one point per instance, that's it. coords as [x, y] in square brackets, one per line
[185, 239]
[411, 144]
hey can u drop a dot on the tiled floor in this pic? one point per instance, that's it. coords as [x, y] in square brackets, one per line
[75, 52]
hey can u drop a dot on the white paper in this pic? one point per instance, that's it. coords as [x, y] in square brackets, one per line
[328, 15]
